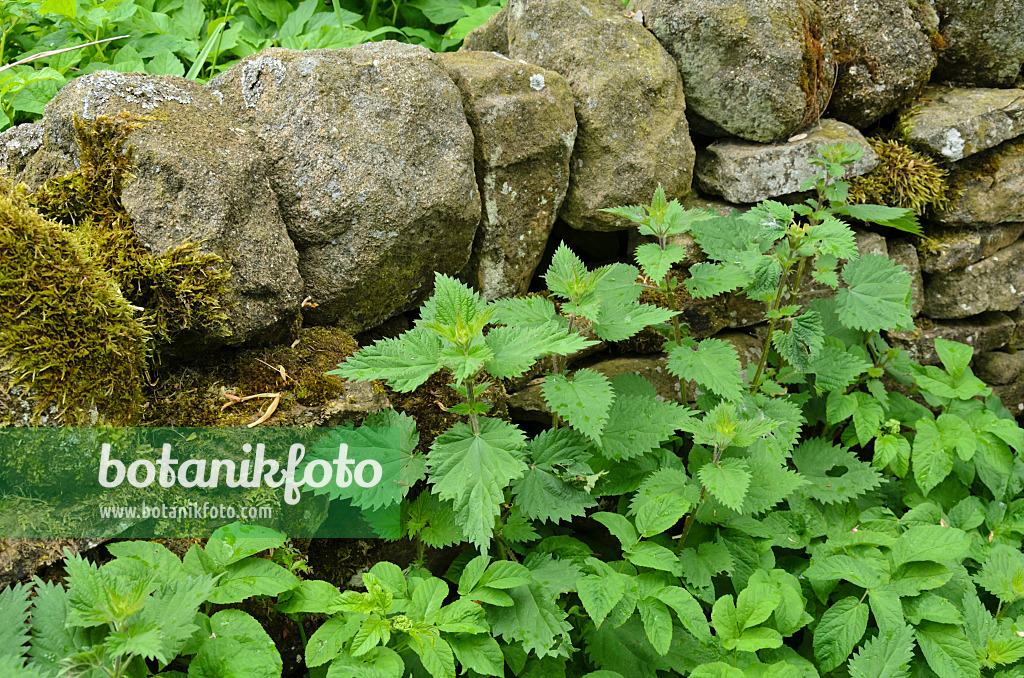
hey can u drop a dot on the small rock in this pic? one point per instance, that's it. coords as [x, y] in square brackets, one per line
[947, 249]
[744, 172]
[985, 332]
[17, 146]
[992, 284]
[983, 42]
[998, 367]
[954, 123]
[989, 187]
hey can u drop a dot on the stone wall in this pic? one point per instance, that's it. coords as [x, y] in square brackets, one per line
[335, 182]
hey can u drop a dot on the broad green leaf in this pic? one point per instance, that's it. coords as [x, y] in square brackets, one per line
[379, 662]
[656, 262]
[619, 526]
[584, 400]
[252, 577]
[878, 296]
[231, 543]
[478, 652]
[1002, 574]
[568, 276]
[931, 460]
[799, 345]
[864, 573]
[894, 217]
[955, 356]
[66, 8]
[662, 501]
[404, 362]
[885, 656]
[472, 470]
[708, 279]
[835, 369]
[838, 632]
[534, 619]
[599, 594]
[654, 556]
[327, 642]
[714, 364]
[834, 474]
[727, 481]
[930, 543]
[238, 646]
[835, 238]
[638, 421]
[553, 487]
[947, 651]
[657, 623]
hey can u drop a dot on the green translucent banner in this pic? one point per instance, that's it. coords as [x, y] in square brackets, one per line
[181, 482]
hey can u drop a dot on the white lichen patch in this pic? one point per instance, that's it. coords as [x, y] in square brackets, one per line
[537, 81]
[954, 146]
[134, 88]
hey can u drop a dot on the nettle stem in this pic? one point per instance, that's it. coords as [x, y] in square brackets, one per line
[700, 502]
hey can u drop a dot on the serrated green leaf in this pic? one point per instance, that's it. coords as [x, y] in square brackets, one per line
[584, 400]
[619, 526]
[404, 362]
[1002, 574]
[894, 217]
[816, 459]
[599, 594]
[834, 369]
[708, 279]
[552, 487]
[638, 422]
[834, 237]
[838, 632]
[661, 501]
[799, 345]
[930, 542]
[714, 364]
[878, 296]
[252, 577]
[727, 481]
[478, 652]
[656, 262]
[932, 462]
[947, 651]
[885, 656]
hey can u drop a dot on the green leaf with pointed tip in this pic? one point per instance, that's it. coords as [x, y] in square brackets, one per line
[819, 462]
[894, 217]
[727, 481]
[838, 632]
[1002, 574]
[452, 303]
[516, 348]
[834, 237]
[551, 488]
[662, 500]
[657, 262]
[638, 422]
[404, 362]
[568, 276]
[714, 364]
[885, 656]
[799, 345]
[472, 470]
[878, 296]
[932, 461]
[583, 400]
[947, 651]
[709, 280]
[599, 594]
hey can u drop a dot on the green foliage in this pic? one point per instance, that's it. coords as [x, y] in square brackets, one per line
[199, 38]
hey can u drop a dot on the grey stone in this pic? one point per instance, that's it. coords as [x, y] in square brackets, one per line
[883, 54]
[985, 332]
[983, 42]
[1012, 396]
[372, 163]
[17, 146]
[522, 119]
[995, 283]
[905, 254]
[989, 187]
[999, 367]
[196, 177]
[756, 69]
[492, 36]
[745, 172]
[954, 123]
[630, 107]
[950, 248]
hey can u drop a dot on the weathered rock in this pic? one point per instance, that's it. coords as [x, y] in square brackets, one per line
[985, 332]
[523, 122]
[989, 187]
[630, 108]
[17, 146]
[983, 42]
[756, 70]
[373, 168]
[748, 346]
[883, 54]
[905, 254]
[958, 122]
[707, 317]
[999, 367]
[744, 172]
[947, 249]
[198, 178]
[1016, 342]
[1012, 396]
[492, 36]
[995, 283]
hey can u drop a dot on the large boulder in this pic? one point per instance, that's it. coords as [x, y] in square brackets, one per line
[983, 42]
[196, 177]
[759, 70]
[522, 118]
[630, 107]
[372, 164]
[883, 54]
[992, 284]
[745, 172]
[957, 122]
[989, 188]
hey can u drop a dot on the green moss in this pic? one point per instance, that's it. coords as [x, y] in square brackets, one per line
[903, 178]
[178, 291]
[67, 335]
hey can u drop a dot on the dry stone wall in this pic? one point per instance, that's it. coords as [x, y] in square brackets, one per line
[345, 178]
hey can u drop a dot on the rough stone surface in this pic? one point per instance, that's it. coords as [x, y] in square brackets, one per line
[1012, 396]
[18, 145]
[373, 168]
[197, 177]
[905, 254]
[989, 187]
[951, 248]
[883, 54]
[999, 367]
[995, 283]
[523, 121]
[756, 69]
[630, 108]
[985, 332]
[492, 36]
[744, 172]
[983, 41]
[21, 558]
[957, 122]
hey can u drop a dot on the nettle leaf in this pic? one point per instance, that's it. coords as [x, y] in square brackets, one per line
[657, 262]
[452, 304]
[568, 276]
[583, 400]
[638, 422]
[714, 364]
[867, 416]
[709, 280]
[835, 238]
[801, 343]
[727, 481]
[834, 474]
[770, 483]
[662, 500]
[722, 238]
[885, 656]
[878, 296]
[621, 320]
[894, 217]
[838, 632]
[14, 610]
[515, 349]
[834, 368]
[947, 651]
[764, 284]
[1002, 574]
[528, 311]
[552, 487]
[404, 362]
[473, 470]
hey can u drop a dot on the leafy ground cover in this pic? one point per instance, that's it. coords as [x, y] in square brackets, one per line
[199, 38]
[832, 510]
